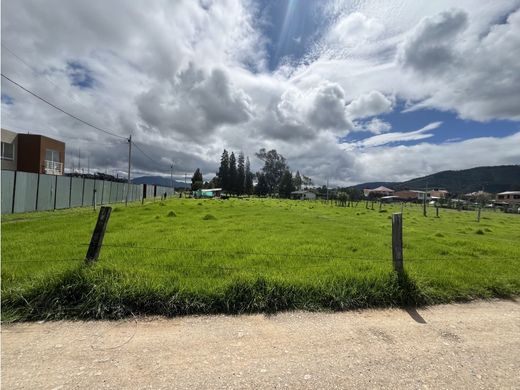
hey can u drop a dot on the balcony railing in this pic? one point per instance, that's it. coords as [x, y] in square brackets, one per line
[53, 168]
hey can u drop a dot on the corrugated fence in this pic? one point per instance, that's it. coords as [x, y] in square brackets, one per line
[24, 192]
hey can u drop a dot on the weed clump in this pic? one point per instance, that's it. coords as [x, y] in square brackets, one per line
[116, 210]
[157, 217]
[479, 231]
[439, 234]
[171, 214]
[209, 217]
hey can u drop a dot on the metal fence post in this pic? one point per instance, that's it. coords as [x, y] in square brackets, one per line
[397, 242]
[97, 236]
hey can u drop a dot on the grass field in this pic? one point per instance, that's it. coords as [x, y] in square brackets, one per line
[244, 255]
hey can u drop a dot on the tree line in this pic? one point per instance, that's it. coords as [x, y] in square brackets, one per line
[234, 176]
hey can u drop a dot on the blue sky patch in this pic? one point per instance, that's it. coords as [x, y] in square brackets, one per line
[79, 75]
[6, 99]
[291, 27]
[452, 128]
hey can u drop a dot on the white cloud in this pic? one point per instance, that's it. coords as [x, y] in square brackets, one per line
[375, 125]
[190, 78]
[388, 138]
[370, 104]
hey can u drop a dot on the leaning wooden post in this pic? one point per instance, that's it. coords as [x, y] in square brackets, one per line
[437, 210]
[397, 242]
[478, 214]
[97, 236]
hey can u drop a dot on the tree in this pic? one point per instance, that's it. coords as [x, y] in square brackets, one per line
[241, 175]
[232, 173]
[248, 179]
[307, 181]
[286, 185]
[274, 168]
[223, 171]
[261, 187]
[196, 180]
[298, 181]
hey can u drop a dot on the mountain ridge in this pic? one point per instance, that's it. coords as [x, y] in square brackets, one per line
[488, 178]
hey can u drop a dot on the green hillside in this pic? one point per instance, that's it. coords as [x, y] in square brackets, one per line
[490, 179]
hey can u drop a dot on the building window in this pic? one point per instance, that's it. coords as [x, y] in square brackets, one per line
[516, 196]
[7, 151]
[500, 196]
[52, 155]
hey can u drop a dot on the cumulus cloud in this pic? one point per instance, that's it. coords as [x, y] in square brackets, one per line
[474, 75]
[431, 47]
[370, 104]
[194, 104]
[189, 78]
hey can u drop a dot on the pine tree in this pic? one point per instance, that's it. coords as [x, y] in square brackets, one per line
[223, 171]
[241, 175]
[298, 181]
[232, 174]
[196, 180]
[249, 179]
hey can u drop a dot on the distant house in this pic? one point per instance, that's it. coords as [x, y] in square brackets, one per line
[406, 195]
[208, 193]
[508, 198]
[303, 195]
[32, 153]
[439, 194]
[378, 192]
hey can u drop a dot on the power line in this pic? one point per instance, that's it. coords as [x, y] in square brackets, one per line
[145, 154]
[60, 109]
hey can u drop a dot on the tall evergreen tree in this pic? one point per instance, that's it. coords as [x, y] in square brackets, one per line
[286, 185]
[248, 179]
[223, 171]
[241, 175]
[261, 187]
[298, 181]
[196, 180]
[232, 173]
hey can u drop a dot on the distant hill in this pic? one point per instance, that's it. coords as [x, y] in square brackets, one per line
[491, 179]
[160, 181]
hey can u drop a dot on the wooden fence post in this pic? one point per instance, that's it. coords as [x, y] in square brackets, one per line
[97, 236]
[397, 242]
[478, 214]
[437, 211]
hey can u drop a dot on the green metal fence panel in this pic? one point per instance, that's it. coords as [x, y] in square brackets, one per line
[120, 192]
[88, 192]
[25, 192]
[107, 186]
[62, 192]
[46, 192]
[7, 191]
[76, 192]
[98, 186]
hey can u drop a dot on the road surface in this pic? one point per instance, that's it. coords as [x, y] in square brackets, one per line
[472, 346]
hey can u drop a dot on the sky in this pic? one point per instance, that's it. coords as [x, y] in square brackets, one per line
[349, 91]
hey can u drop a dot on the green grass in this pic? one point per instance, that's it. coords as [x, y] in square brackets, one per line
[185, 256]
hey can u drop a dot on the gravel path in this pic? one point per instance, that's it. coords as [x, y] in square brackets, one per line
[474, 346]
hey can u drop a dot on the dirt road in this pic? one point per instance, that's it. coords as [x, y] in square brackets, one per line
[473, 346]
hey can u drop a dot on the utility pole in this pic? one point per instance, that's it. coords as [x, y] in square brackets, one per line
[171, 174]
[185, 174]
[129, 166]
[79, 160]
[327, 189]
[424, 200]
